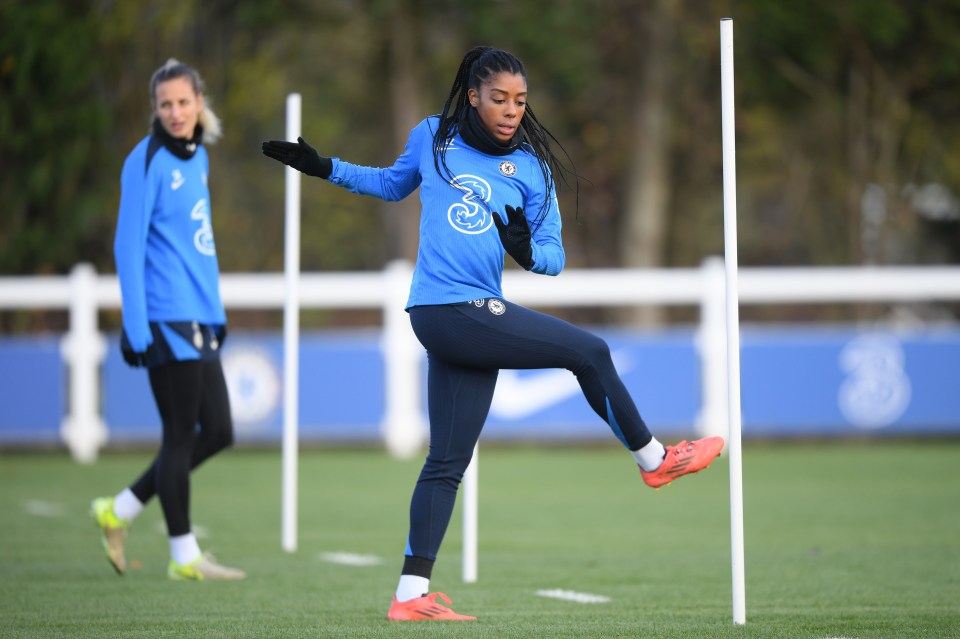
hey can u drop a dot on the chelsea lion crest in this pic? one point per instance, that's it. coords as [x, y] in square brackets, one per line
[496, 307]
[508, 168]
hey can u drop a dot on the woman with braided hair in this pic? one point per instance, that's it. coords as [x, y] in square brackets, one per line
[485, 169]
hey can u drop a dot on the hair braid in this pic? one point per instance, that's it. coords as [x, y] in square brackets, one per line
[457, 100]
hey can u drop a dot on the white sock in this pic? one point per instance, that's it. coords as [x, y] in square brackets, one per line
[650, 456]
[126, 506]
[411, 587]
[184, 549]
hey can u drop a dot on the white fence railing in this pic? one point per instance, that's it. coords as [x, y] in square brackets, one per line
[84, 293]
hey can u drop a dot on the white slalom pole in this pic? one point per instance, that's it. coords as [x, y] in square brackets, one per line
[291, 336]
[470, 519]
[733, 321]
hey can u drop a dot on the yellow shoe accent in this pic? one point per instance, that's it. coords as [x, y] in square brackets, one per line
[113, 532]
[203, 568]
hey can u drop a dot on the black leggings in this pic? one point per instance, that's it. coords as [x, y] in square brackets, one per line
[467, 344]
[191, 396]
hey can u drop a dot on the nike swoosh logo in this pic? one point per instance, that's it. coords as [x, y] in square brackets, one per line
[176, 184]
[518, 396]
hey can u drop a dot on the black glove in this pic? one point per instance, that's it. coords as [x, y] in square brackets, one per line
[515, 236]
[130, 356]
[300, 156]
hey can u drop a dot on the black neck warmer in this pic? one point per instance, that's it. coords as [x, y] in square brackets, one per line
[476, 135]
[180, 147]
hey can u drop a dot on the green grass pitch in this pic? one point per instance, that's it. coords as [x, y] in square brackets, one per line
[843, 539]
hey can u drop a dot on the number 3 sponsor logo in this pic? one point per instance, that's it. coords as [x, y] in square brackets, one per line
[470, 214]
[203, 238]
[876, 390]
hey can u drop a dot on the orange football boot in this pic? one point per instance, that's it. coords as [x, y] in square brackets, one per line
[683, 459]
[425, 608]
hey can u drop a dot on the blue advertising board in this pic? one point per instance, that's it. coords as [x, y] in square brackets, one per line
[32, 389]
[795, 381]
[843, 381]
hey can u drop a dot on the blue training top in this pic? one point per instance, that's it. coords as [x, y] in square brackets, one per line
[164, 250]
[460, 256]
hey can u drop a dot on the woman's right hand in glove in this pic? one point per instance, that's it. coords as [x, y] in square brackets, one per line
[300, 156]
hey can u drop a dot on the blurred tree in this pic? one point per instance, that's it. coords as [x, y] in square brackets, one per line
[400, 23]
[848, 122]
[647, 196]
[52, 180]
[845, 105]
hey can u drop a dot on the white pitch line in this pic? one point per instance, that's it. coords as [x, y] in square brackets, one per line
[570, 595]
[350, 559]
[39, 508]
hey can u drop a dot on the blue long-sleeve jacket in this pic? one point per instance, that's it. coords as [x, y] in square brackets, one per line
[164, 249]
[460, 257]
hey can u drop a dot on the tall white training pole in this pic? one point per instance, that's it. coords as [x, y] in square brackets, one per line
[470, 518]
[291, 336]
[733, 320]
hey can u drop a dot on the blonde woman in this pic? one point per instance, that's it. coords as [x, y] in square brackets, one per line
[174, 322]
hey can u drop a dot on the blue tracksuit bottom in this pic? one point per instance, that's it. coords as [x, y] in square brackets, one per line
[467, 344]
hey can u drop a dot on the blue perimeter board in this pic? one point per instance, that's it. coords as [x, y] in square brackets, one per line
[795, 382]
